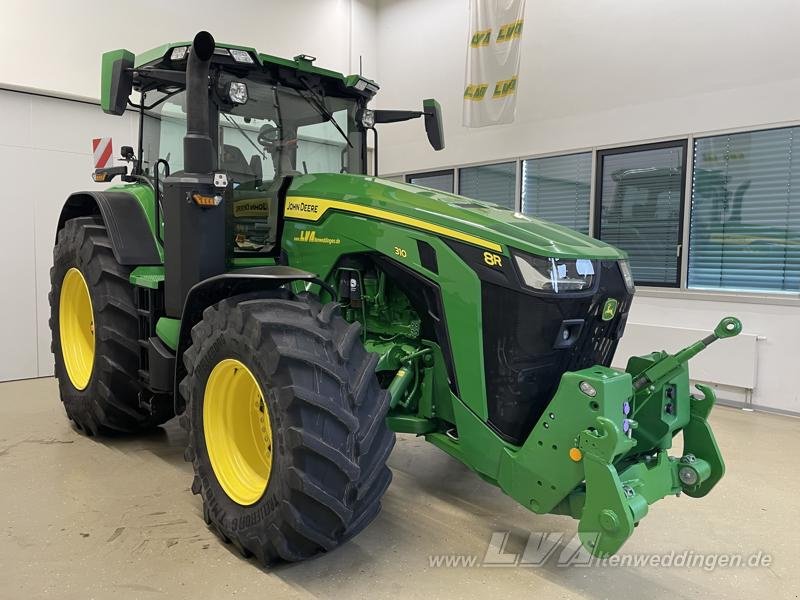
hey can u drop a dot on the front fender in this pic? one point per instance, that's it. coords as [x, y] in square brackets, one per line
[215, 289]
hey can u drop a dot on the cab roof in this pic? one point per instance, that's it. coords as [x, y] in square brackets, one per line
[160, 57]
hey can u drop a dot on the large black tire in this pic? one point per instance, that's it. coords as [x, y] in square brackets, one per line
[330, 441]
[110, 401]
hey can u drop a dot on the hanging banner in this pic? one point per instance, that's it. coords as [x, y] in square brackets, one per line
[493, 56]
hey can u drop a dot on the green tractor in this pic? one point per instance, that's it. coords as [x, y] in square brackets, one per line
[295, 313]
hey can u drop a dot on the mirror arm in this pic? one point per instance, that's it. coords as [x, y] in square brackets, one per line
[395, 116]
[149, 76]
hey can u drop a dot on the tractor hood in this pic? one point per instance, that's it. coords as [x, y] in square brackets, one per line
[420, 206]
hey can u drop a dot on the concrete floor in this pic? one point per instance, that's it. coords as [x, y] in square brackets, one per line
[115, 519]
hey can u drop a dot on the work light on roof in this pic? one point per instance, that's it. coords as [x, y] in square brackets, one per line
[179, 53]
[241, 56]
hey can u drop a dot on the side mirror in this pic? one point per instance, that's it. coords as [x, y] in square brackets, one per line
[431, 111]
[116, 81]
[433, 123]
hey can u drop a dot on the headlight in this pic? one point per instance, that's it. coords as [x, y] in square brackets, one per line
[237, 92]
[625, 269]
[556, 275]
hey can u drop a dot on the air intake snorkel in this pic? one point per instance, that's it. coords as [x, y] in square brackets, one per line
[198, 150]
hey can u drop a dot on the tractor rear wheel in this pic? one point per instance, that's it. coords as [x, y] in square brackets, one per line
[286, 424]
[95, 328]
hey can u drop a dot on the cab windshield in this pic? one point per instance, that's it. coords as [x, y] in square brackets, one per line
[278, 131]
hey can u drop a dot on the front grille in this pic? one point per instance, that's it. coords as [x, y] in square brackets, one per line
[522, 366]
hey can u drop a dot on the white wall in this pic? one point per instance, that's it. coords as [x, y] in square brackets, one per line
[593, 73]
[57, 45]
[45, 143]
[777, 355]
[45, 154]
[611, 72]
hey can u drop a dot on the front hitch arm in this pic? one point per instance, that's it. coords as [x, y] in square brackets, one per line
[613, 502]
[699, 440]
[611, 509]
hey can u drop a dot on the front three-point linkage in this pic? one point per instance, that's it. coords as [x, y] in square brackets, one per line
[627, 466]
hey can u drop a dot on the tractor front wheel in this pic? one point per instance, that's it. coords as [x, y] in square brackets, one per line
[286, 424]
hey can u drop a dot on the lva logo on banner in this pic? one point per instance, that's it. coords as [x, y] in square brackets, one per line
[490, 91]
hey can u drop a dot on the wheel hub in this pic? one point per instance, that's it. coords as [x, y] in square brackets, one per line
[76, 328]
[237, 431]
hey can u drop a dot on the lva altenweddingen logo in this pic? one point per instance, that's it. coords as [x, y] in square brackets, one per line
[566, 550]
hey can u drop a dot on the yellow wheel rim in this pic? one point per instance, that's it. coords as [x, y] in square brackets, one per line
[237, 431]
[76, 328]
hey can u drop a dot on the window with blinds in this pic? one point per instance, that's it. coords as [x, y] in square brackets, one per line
[557, 189]
[490, 183]
[745, 221]
[438, 180]
[639, 207]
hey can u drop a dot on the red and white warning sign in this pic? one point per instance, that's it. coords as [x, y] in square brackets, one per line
[102, 152]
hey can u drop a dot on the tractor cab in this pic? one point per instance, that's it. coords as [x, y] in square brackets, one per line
[269, 132]
[268, 107]
[263, 125]
[228, 128]
[268, 119]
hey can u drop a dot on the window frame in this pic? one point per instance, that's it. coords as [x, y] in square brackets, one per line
[437, 173]
[653, 290]
[597, 203]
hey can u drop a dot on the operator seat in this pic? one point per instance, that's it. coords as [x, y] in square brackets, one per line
[234, 162]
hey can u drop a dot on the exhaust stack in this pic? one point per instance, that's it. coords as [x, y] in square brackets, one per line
[198, 150]
[194, 235]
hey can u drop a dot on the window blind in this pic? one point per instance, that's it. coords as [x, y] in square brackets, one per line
[557, 189]
[745, 221]
[490, 183]
[440, 180]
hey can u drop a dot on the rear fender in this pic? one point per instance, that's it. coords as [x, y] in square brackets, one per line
[131, 238]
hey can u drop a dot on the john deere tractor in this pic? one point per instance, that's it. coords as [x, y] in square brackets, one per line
[249, 277]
